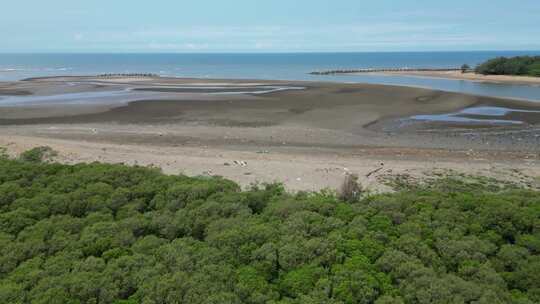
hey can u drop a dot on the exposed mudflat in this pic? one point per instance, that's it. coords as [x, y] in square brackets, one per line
[318, 131]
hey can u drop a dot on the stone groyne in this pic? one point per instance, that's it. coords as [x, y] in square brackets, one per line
[375, 70]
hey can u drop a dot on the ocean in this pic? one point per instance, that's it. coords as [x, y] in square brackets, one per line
[293, 66]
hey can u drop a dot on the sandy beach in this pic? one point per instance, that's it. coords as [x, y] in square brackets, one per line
[509, 79]
[305, 134]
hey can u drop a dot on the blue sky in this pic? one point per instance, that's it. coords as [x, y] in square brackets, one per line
[268, 26]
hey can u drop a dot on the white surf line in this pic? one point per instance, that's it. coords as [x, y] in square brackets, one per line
[162, 84]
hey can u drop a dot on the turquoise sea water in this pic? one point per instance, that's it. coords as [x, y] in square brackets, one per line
[270, 66]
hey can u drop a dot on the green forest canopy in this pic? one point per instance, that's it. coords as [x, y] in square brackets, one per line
[98, 233]
[521, 65]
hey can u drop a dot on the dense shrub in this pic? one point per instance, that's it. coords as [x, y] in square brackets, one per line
[522, 65]
[38, 154]
[96, 233]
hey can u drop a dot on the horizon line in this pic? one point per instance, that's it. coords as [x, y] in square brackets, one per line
[252, 52]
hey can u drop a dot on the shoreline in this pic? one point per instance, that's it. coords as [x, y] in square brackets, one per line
[298, 170]
[119, 81]
[458, 75]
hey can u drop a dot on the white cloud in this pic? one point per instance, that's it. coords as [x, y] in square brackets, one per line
[178, 46]
[346, 37]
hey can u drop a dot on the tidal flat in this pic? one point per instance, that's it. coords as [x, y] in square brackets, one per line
[307, 134]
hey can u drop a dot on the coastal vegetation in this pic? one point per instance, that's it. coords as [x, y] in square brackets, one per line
[103, 233]
[520, 66]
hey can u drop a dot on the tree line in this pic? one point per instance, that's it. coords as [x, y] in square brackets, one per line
[102, 233]
[521, 66]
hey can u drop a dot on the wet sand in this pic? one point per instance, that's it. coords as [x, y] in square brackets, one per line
[308, 138]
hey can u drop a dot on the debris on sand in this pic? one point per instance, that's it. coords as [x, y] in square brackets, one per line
[240, 163]
[375, 171]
